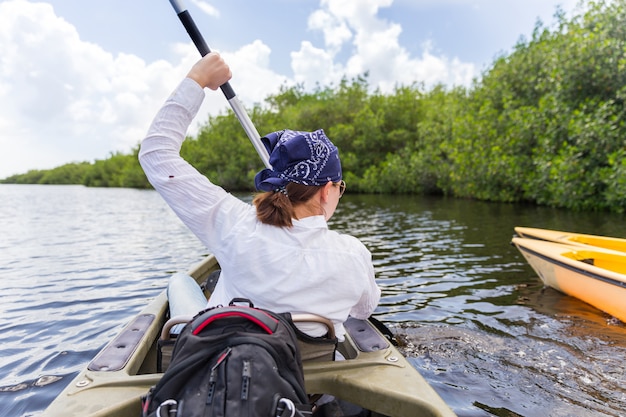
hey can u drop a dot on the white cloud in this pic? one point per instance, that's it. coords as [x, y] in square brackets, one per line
[67, 100]
[374, 49]
[335, 30]
[206, 8]
[313, 66]
[253, 80]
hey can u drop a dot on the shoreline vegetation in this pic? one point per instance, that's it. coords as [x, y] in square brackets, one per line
[544, 124]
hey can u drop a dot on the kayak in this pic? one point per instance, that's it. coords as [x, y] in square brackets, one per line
[594, 275]
[374, 376]
[570, 238]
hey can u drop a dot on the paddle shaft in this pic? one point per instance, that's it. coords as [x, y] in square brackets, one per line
[226, 88]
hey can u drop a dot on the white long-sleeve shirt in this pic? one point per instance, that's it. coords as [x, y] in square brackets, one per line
[303, 269]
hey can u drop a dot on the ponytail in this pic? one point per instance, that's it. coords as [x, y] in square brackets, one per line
[276, 208]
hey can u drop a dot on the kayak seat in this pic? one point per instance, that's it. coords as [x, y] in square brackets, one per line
[311, 348]
[315, 349]
[165, 344]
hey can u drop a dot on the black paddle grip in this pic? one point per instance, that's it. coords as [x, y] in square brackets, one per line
[203, 48]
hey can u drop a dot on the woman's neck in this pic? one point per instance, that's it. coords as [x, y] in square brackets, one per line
[306, 210]
[311, 208]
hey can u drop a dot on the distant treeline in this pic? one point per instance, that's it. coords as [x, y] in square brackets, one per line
[545, 124]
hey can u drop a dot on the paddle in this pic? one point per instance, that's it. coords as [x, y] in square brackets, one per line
[228, 91]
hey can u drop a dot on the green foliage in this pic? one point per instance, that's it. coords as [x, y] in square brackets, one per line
[544, 124]
[31, 177]
[223, 153]
[118, 170]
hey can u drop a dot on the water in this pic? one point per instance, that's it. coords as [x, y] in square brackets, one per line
[77, 263]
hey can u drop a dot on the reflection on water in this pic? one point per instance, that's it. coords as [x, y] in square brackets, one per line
[76, 264]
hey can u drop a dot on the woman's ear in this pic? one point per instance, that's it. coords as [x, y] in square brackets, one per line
[325, 192]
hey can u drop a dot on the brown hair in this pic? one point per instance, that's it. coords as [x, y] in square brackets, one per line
[277, 208]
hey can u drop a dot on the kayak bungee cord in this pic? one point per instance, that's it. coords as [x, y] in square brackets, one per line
[228, 91]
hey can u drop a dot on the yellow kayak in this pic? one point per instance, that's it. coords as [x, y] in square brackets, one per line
[594, 275]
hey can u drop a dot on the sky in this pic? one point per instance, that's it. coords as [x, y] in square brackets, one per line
[80, 80]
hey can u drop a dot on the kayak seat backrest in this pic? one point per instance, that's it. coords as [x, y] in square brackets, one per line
[315, 349]
[165, 344]
[311, 348]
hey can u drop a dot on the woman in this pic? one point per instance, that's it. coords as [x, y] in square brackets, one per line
[278, 252]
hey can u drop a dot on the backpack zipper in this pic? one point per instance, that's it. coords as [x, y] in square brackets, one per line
[246, 375]
[213, 374]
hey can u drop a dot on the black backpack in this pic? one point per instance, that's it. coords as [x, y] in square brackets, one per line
[232, 361]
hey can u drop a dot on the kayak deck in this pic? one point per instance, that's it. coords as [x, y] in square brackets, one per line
[374, 376]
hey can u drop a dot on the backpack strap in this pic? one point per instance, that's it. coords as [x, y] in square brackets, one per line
[286, 408]
[266, 322]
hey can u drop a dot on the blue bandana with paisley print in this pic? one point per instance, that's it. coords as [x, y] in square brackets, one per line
[307, 158]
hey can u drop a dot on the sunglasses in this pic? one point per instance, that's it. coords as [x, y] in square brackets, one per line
[342, 187]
